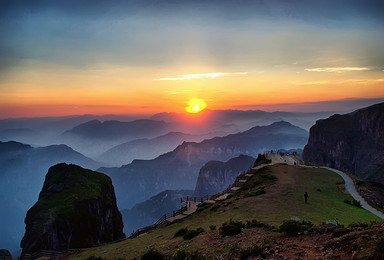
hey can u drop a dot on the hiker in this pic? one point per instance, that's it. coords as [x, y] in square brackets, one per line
[306, 197]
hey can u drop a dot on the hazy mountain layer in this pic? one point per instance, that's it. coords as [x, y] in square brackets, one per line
[353, 142]
[147, 148]
[148, 212]
[216, 176]
[179, 169]
[22, 171]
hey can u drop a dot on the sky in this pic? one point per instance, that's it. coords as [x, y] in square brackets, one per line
[149, 56]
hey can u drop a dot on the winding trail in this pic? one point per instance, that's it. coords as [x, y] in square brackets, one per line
[350, 187]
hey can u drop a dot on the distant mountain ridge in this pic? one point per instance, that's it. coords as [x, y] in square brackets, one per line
[352, 142]
[95, 137]
[147, 148]
[179, 169]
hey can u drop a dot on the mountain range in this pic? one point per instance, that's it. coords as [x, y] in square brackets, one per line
[179, 168]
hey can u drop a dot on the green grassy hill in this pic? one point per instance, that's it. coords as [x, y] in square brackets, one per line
[273, 195]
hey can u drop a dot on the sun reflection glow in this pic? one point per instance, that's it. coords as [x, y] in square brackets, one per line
[195, 105]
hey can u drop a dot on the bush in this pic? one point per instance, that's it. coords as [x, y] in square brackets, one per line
[212, 227]
[181, 232]
[358, 224]
[192, 233]
[152, 254]
[231, 228]
[292, 227]
[254, 251]
[379, 251]
[183, 255]
[215, 208]
[356, 203]
[94, 258]
[254, 223]
[347, 202]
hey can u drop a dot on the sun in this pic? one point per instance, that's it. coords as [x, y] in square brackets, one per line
[195, 105]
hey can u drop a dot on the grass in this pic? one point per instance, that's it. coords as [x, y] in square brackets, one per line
[282, 200]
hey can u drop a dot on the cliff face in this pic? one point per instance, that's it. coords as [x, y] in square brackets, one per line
[76, 208]
[216, 176]
[352, 142]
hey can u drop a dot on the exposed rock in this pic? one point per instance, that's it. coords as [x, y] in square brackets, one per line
[215, 176]
[353, 142]
[76, 208]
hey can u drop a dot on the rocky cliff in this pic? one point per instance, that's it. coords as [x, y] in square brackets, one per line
[353, 142]
[76, 209]
[216, 176]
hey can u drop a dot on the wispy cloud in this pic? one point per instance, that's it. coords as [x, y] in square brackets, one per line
[309, 83]
[337, 69]
[202, 75]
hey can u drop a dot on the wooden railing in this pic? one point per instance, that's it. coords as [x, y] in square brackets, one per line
[160, 222]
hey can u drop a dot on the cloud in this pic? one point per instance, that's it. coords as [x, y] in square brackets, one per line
[309, 83]
[202, 75]
[338, 69]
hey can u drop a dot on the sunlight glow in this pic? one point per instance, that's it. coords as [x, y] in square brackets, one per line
[195, 105]
[197, 76]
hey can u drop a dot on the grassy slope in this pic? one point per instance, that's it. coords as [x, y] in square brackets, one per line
[282, 200]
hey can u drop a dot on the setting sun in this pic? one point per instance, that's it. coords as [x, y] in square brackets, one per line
[195, 105]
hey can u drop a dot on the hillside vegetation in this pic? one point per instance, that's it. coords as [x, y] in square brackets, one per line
[272, 196]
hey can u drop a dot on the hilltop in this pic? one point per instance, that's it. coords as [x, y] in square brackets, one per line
[273, 195]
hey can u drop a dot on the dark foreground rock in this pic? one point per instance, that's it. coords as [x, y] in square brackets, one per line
[76, 209]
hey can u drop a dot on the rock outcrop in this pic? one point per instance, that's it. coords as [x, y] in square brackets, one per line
[216, 176]
[76, 209]
[353, 142]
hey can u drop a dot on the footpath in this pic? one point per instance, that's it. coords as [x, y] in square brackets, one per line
[351, 188]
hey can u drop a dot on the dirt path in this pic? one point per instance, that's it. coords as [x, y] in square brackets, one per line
[350, 187]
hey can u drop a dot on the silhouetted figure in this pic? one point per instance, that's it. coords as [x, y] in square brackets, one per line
[306, 197]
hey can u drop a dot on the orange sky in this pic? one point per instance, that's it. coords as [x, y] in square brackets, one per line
[74, 58]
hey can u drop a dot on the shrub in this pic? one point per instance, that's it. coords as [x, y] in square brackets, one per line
[183, 255]
[94, 258]
[347, 202]
[292, 227]
[379, 251]
[212, 227]
[180, 232]
[356, 203]
[192, 233]
[215, 208]
[231, 228]
[254, 223]
[254, 251]
[358, 224]
[152, 254]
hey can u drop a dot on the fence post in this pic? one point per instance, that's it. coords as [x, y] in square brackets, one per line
[165, 216]
[187, 198]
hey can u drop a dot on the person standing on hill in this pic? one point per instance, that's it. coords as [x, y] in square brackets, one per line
[306, 197]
